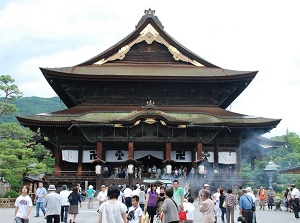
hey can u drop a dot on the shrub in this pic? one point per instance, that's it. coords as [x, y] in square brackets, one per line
[11, 194]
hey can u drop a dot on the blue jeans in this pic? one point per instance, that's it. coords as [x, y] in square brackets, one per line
[64, 213]
[39, 205]
[21, 220]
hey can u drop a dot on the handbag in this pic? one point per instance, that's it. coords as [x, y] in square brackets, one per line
[182, 215]
[145, 218]
[253, 208]
[224, 204]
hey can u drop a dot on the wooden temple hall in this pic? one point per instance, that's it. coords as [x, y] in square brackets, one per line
[147, 100]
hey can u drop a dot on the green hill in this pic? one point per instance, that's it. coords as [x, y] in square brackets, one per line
[34, 105]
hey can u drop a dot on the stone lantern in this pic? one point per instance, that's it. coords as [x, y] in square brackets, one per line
[270, 169]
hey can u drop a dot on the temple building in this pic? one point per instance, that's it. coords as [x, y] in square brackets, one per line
[147, 101]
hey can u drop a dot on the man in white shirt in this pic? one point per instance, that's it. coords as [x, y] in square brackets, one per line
[102, 196]
[295, 200]
[250, 193]
[127, 194]
[64, 194]
[23, 206]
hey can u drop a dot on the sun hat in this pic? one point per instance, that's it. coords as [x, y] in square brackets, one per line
[91, 187]
[51, 187]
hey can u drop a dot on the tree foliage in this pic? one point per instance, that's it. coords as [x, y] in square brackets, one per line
[10, 92]
[21, 153]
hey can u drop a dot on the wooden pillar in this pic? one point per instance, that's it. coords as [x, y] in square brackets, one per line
[130, 150]
[239, 157]
[99, 150]
[216, 156]
[79, 166]
[199, 150]
[57, 166]
[168, 150]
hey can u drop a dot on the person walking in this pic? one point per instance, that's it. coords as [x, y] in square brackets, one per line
[64, 209]
[23, 206]
[270, 199]
[74, 200]
[135, 212]
[295, 200]
[39, 199]
[189, 208]
[261, 194]
[223, 209]
[112, 210]
[231, 203]
[169, 208]
[207, 208]
[246, 204]
[90, 196]
[52, 205]
[150, 205]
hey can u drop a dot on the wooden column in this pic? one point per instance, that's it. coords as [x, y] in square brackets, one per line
[57, 166]
[199, 150]
[79, 166]
[99, 150]
[216, 157]
[130, 150]
[238, 157]
[168, 151]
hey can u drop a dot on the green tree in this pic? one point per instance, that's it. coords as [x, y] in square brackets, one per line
[21, 153]
[11, 92]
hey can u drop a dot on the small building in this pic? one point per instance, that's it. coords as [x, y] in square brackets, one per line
[150, 101]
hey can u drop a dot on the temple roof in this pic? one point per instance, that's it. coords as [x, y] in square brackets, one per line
[206, 116]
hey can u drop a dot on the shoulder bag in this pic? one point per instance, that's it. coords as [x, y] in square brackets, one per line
[253, 208]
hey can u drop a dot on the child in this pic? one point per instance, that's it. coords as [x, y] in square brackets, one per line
[189, 208]
[135, 212]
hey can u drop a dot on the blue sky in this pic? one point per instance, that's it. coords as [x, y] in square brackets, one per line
[237, 35]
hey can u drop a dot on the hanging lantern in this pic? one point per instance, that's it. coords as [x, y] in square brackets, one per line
[130, 169]
[201, 169]
[169, 169]
[98, 169]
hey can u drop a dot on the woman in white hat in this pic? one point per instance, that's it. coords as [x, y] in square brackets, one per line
[90, 195]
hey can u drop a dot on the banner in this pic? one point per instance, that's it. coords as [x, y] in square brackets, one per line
[227, 157]
[181, 156]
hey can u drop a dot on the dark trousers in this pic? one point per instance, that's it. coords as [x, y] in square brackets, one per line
[128, 202]
[50, 219]
[248, 215]
[64, 210]
[223, 213]
[295, 204]
[152, 212]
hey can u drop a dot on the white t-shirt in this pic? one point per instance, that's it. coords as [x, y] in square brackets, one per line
[127, 192]
[64, 194]
[112, 210]
[102, 196]
[137, 213]
[217, 196]
[189, 207]
[23, 203]
[295, 192]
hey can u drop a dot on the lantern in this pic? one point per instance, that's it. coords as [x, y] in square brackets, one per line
[169, 169]
[98, 169]
[130, 169]
[201, 169]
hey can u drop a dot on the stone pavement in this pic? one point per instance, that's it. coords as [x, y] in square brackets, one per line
[90, 216]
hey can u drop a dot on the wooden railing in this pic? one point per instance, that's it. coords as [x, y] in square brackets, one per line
[7, 202]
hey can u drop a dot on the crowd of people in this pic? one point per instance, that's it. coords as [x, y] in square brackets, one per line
[148, 171]
[159, 203]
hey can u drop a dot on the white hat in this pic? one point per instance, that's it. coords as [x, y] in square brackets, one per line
[103, 185]
[206, 185]
[248, 189]
[91, 187]
[51, 187]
